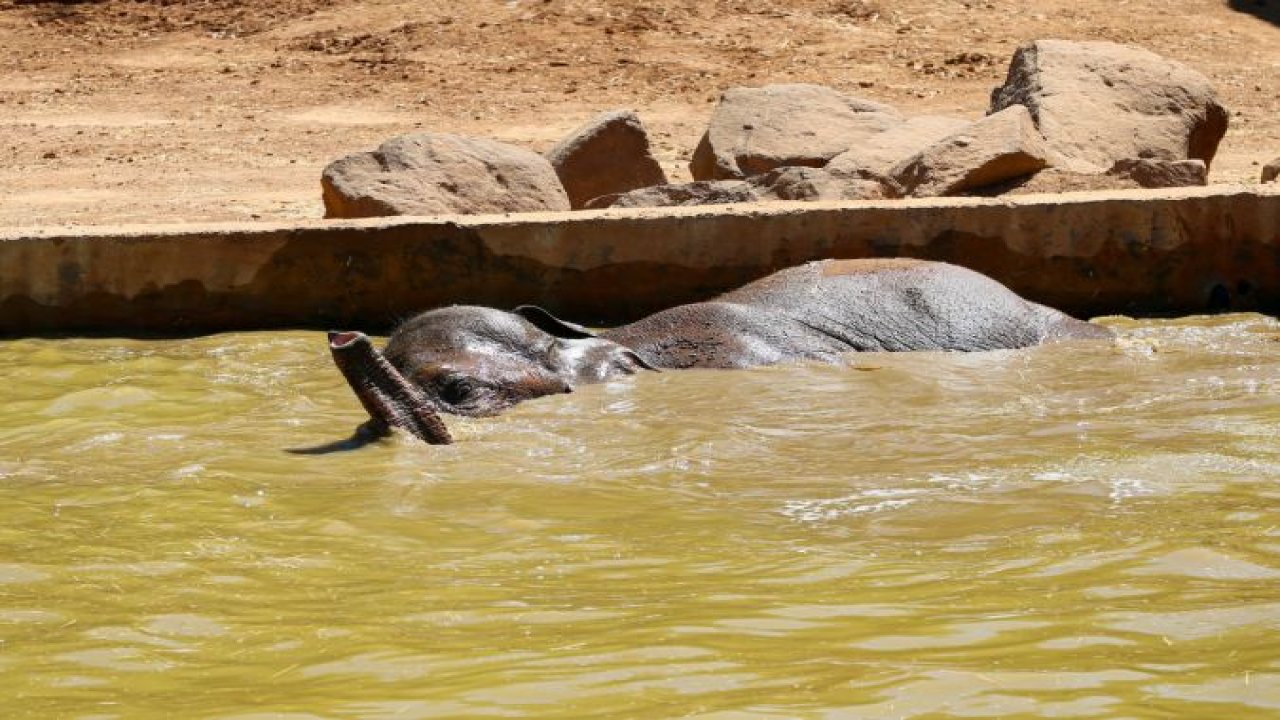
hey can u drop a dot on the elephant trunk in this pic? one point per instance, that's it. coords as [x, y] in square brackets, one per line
[388, 397]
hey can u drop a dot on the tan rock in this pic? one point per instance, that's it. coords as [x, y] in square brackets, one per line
[1152, 173]
[437, 173]
[1055, 180]
[702, 192]
[819, 184]
[1271, 170]
[754, 130]
[879, 153]
[610, 154]
[996, 149]
[788, 183]
[1099, 102]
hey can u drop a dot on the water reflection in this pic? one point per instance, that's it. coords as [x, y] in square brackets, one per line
[1072, 531]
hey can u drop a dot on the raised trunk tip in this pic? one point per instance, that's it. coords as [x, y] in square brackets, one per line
[385, 394]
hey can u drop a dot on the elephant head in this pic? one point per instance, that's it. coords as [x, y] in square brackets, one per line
[478, 361]
[473, 361]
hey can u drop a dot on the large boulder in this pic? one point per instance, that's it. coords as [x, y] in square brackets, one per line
[610, 154]
[996, 149]
[437, 173]
[1099, 102]
[754, 130]
[879, 153]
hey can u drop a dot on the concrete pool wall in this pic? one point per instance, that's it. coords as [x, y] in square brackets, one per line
[1180, 251]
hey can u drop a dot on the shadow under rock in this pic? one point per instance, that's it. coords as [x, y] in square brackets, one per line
[1268, 10]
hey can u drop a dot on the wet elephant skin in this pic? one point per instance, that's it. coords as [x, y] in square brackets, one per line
[477, 361]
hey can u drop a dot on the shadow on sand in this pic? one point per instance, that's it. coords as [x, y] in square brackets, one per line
[1268, 10]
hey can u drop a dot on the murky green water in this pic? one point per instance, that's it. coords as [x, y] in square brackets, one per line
[1076, 531]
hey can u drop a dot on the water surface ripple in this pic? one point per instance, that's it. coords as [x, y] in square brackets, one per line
[1070, 531]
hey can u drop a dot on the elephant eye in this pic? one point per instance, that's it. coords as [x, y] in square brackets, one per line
[456, 389]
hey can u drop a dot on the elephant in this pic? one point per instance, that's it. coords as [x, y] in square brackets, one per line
[477, 361]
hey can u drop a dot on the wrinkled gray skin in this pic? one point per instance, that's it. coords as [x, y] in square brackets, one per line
[479, 361]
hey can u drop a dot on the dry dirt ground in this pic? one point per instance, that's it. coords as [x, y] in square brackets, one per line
[145, 111]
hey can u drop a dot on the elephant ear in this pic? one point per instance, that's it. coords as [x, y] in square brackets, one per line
[552, 325]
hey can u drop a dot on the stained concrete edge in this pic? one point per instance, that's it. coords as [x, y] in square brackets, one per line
[1175, 251]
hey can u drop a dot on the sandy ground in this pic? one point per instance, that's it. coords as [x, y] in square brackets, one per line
[125, 111]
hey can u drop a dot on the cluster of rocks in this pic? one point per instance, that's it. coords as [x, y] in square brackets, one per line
[1070, 115]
